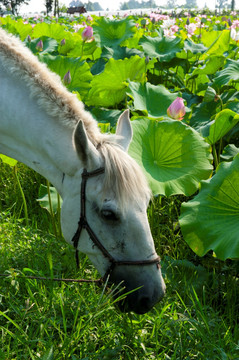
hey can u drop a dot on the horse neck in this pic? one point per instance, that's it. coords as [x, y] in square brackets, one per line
[31, 135]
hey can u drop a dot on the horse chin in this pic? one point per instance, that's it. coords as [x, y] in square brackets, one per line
[125, 306]
[137, 294]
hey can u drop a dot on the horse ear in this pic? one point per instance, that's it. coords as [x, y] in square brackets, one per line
[84, 148]
[124, 130]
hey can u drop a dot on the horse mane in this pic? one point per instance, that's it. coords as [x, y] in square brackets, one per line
[129, 182]
[45, 86]
[121, 170]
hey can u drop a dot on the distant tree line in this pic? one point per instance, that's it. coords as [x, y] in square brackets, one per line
[12, 5]
[53, 5]
[171, 4]
[134, 4]
[89, 6]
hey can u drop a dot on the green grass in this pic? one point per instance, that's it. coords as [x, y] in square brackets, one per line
[197, 319]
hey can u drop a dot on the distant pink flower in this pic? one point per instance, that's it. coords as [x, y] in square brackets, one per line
[235, 24]
[169, 33]
[89, 18]
[163, 17]
[177, 109]
[191, 28]
[87, 33]
[167, 24]
[77, 27]
[174, 28]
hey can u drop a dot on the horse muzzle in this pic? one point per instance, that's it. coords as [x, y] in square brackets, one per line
[139, 290]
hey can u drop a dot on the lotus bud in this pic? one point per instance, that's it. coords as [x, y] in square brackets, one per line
[39, 45]
[29, 38]
[146, 59]
[63, 42]
[188, 21]
[87, 33]
[67, 78]
[177, 109]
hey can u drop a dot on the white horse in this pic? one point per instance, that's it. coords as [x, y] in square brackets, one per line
[47, 128]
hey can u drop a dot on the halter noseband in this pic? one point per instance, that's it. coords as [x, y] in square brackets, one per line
[83, 224]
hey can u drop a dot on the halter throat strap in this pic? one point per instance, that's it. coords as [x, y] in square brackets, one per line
[83, 224]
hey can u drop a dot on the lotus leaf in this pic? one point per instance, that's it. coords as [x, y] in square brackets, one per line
[228, 74]
[211, 220]
[161, 47]
[79, 70]
[113, 32]
[153, 98]
[174, 156]
[109, 87]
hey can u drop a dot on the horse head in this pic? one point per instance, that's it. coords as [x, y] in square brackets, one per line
[109, 203]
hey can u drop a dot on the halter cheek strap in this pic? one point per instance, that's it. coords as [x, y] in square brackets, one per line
[83, 224]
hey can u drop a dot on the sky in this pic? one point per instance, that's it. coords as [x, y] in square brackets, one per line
[38, 5]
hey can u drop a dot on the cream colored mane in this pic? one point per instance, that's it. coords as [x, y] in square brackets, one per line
[122, 172]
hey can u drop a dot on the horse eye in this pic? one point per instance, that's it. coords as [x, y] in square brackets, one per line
[109, 215]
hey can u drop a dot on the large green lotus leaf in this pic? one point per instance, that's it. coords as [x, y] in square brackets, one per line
[211, 65]
[197, 83]
[79, 70]
[224, 121]
[229, 74]
[202, 115]
[133, 41]
[154, 98]
[49, 45]
[229, 152]
[211, 220]
[220, 45]
[109, 87]
[194, 48]
[113, 32]
[119, 52]
[16, 27]
[83, 49]
[161, 47]
[23, 29]
[173, 156]
[54, 31]
[105, 116]
[209, 37]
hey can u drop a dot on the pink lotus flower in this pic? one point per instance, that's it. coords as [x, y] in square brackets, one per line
[177, 109]
[87, 33]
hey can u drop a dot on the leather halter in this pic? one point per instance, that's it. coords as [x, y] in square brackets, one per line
[83, 224]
